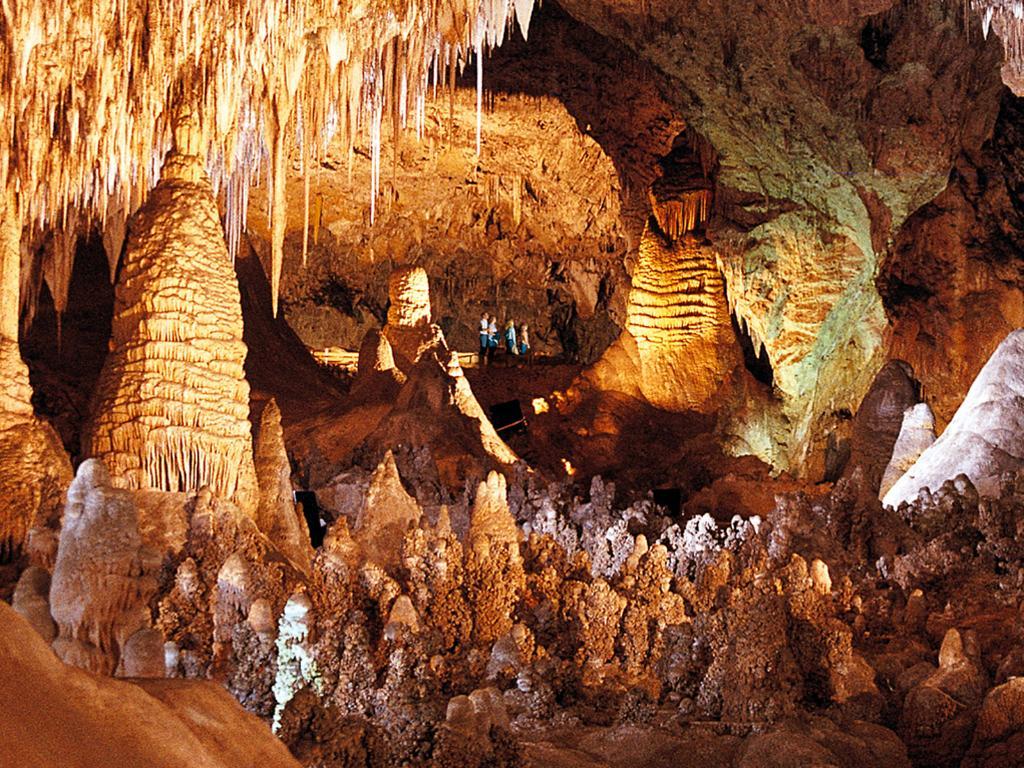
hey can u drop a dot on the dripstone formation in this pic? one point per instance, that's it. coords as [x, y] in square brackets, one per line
[171, 410]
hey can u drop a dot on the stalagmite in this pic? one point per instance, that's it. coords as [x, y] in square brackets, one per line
[171, 408]
[917, 433]
[409, 329]
[678, 348]
[103, 577]
[277, 515]
[984, 439]
[387, 513]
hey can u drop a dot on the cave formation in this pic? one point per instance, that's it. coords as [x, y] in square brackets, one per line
[765, 506]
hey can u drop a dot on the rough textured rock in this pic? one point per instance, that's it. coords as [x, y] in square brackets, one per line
[386, 514]
[831, 177]
[171, 410]
[999, 735]
[951, 282]
[878, 422]
[409, 328]
[983, 439]
[59, 715]
[34, 469]
[678, 349]
[917, 433]
[529, 229]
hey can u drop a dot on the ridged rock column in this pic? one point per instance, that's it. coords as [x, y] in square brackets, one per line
[678, 349]
[172, 405]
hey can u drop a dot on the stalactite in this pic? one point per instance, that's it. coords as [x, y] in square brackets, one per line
[1006, 18]
[99, 122]
[683, 213]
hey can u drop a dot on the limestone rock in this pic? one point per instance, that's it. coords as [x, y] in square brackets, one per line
[32, 601]
[986, 435]
[171, 410]
[917, 433]
[877, 423]
[939, 712]
[34, 468]
[58, 715]
[490, 521]
[387, 513]
[409, 329]
[277, 515]
[103, 578]
[679, 341]
[999, 735]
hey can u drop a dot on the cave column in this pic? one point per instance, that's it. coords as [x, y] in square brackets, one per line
[15, 392]
[171, 411]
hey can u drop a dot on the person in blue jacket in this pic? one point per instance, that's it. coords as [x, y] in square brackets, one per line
[485, 338]
[492, 338]
[510, 338]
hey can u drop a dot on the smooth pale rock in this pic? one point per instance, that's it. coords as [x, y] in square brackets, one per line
[986, 435]
[387, 513]
[917, 433]
[55, 714]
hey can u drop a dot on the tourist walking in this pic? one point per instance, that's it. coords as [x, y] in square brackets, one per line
[484, 338]
[510, 338]
[492, 338]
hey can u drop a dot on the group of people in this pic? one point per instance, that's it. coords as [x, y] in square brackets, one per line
[517, 342]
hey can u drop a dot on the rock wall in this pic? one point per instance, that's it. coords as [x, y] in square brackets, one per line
[811, 111]
[34, 469]
[171, 410]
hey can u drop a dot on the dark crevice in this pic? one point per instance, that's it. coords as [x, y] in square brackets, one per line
[759, 364]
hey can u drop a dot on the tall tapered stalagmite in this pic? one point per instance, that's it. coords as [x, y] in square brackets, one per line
[171, 410]
[277, 515]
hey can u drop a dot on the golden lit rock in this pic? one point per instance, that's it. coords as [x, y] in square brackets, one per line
[172, 405]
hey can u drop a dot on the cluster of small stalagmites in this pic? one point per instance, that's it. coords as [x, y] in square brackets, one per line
[220, 598]
[171, 410]
[721, 629]
[679, 338]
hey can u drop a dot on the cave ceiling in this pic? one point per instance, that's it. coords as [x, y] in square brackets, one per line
[828, 126]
